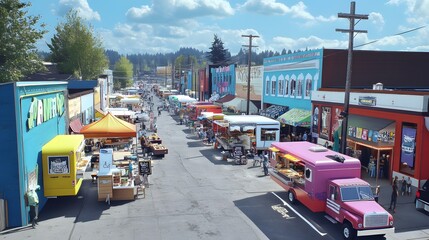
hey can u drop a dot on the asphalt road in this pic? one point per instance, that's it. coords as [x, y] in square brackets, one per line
[193, 194]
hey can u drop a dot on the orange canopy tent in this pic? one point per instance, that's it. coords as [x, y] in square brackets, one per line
[109, 127]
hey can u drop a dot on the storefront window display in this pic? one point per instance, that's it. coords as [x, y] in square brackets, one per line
[408, 148]
[325, 123]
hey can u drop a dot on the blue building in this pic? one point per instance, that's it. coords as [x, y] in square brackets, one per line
[288, 81]
[33, 113]
[223, 80]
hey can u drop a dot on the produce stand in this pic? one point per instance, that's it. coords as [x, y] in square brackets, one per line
[153, 144]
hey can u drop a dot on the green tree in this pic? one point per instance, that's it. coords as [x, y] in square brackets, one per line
[18, 35]
[76, 50]
[122, 74]
[218, 54]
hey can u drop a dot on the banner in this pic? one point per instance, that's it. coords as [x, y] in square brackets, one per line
[408, 145]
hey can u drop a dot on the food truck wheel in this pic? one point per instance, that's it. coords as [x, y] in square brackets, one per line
[348, 231]
[291, 196]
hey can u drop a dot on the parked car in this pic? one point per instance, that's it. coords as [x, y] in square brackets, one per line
[422, 197]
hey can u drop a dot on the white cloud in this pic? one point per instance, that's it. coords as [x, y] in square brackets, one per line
[272, 7]
[377, 19]
[311, 42]
[82, 6]
[266, 7]
[175, 11]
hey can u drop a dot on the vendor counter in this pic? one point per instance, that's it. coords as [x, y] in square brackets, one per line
[291, 175]
[114, 186]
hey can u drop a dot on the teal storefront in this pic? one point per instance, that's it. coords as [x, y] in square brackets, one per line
[32, 114]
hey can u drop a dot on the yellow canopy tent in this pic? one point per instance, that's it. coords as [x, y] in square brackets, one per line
[109, 127]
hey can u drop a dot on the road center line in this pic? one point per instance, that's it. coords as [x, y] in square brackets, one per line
[299, 215]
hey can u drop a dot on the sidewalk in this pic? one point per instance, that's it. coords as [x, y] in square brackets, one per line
[406, 217]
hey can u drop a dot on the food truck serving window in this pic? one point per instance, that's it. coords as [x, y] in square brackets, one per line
[356, 193]
[59, 165]
[268, 134]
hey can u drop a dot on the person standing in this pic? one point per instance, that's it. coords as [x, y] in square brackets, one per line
[33, 203]
[403, 186]
[265, 163]
[409, 186]
[394, 195]
[305, 137]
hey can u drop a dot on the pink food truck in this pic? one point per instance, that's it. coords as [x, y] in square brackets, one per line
[325, 180]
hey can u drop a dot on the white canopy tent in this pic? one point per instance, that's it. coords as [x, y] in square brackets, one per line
[240, 104]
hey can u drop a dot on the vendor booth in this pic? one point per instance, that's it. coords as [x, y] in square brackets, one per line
[63, 165]
[114, 179]
[253, 131]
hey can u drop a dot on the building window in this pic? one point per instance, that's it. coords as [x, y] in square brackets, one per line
[273, 86]
[299, 89]
[292, 87]
[408, 148]
[286, 85]
[267, 86]
[281, 88]
[308, 87]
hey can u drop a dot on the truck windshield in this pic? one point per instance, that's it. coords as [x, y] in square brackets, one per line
[356, 193]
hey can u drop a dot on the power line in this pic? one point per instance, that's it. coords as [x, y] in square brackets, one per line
[397, 34]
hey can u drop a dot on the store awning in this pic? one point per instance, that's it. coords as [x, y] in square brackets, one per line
[296, 117]
[370, 123]
[274, 111]
[76, 125]
[240, 104]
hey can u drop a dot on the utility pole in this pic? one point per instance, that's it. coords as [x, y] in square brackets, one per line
[345, 113]
[249, 63]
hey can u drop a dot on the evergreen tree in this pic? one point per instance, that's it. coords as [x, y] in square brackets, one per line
[18, 35]
[218, 54]
[76, 50]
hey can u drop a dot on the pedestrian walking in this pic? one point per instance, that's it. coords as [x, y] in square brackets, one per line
[403, 186]
[32, 200]
[265, 163]
[409, 182]
[394, 195]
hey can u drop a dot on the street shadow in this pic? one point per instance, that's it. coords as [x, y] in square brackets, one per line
[195, 144]
[83, 207]
[215, 156]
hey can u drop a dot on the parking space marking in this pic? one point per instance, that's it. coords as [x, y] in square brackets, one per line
[299, 215]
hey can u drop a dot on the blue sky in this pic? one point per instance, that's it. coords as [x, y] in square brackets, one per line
[163, 26]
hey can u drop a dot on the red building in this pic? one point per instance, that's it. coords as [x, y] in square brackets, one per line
[388, 123]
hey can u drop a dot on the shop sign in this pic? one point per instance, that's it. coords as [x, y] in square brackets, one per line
[367, 101]
[145, 168]
[42, 110]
